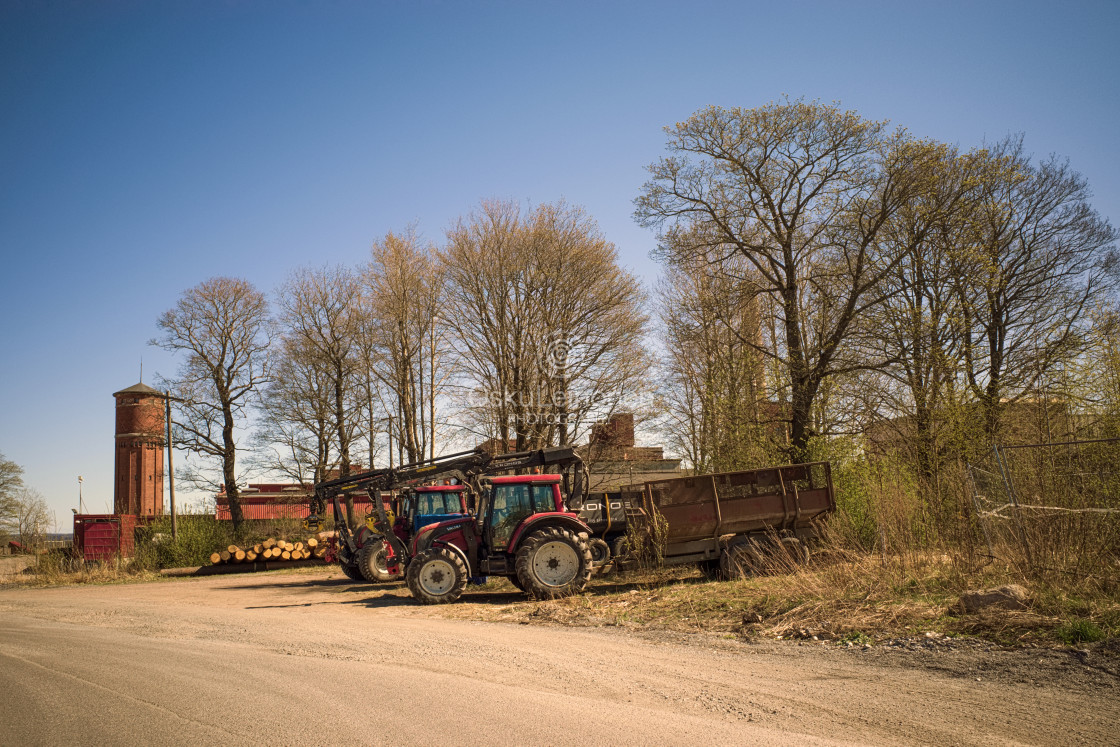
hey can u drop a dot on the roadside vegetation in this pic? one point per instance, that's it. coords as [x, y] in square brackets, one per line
[852, 598]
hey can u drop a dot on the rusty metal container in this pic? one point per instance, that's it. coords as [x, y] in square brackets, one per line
[701, 509]
[106, 536]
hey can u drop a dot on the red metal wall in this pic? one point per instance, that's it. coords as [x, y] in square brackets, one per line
[255, 509]
[105, 536]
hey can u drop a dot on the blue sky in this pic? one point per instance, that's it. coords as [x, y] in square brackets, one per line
[147, 146]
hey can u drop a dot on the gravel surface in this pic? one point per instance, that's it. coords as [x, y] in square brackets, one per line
[280, 658]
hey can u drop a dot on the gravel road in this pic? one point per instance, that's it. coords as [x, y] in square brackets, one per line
[290, 658]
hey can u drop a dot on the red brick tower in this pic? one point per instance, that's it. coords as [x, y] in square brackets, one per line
[138, 488]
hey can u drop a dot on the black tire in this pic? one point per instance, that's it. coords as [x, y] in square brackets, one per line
[352, 571]
[553, 562]
[796, 550]
[620, 546]
[600, 552]
[437, 576]
[516, 582]
[740, 560]
[373, 563]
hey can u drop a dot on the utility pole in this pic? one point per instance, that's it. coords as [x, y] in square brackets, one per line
[170, 469]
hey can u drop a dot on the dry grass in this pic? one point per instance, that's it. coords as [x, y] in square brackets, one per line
[841, 597]
[59, 568]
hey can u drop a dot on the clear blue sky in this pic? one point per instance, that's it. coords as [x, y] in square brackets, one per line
[145, 147]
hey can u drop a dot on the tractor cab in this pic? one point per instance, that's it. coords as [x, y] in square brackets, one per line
[433, 504]
[506, 503]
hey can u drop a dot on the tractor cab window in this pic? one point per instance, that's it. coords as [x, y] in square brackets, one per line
[511, 504]
[437, 503]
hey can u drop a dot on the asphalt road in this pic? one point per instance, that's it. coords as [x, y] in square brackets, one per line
[279, 659]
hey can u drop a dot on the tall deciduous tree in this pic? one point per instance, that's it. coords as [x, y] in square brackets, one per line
[801, 191]
[716, 406]
[295, 433]
[1039, 260]
[321, 314]
[914, 327]
[11, 480]
[32, 519]
[223, 329]
[545, 325]
[404, 297]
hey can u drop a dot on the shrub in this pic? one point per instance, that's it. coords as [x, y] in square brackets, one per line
[198, 537]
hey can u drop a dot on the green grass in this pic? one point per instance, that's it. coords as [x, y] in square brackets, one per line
[1079, 631]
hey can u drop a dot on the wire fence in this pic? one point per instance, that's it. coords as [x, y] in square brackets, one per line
[1053, 506]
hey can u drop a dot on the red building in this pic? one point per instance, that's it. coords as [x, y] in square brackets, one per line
[137, 479]
[278, 501]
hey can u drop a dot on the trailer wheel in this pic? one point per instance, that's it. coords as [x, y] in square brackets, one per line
[600, 552]
[553, 562]
[620, 546]
[740, 560]
[373, 561]
[437, 576]
[352, 571]
[796, 550]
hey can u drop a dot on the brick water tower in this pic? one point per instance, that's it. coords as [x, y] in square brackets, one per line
[138, 486]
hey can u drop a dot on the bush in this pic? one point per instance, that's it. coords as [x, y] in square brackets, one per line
[198, 537]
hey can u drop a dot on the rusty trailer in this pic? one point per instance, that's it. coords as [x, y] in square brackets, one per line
[707, 517]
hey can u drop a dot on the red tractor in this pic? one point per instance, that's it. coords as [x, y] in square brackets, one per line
[522, 529]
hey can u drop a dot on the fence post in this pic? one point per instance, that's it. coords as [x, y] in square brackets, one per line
[1014, 503]
[979, 517]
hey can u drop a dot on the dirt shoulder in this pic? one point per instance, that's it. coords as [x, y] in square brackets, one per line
[630, 683]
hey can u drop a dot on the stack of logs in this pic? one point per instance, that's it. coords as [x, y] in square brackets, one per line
[271, 549]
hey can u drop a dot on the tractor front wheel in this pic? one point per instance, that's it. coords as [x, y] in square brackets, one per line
[351, 570]
[553, 562]
[437, 576]
[373, 560]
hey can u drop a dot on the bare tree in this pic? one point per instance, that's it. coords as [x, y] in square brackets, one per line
[295, 433]
[545, 325]
[222, 326]
[33, 518]
[802, 192]
[1039, 260]
[713, 389]
[11, 477]
[918, 396]
[11, 481]
[404, 296]
[321, 313]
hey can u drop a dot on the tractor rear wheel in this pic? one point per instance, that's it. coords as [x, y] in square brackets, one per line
[600, 552]
[437, 576]
[553, 562]
[373, 560]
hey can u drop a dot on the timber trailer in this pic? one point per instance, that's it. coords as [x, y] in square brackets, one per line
[523, 529]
